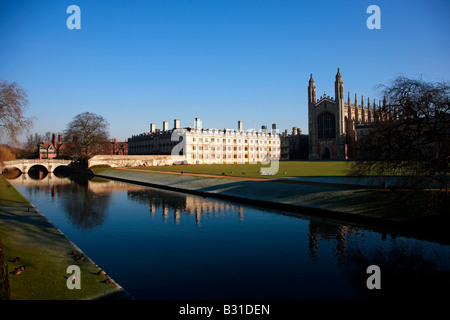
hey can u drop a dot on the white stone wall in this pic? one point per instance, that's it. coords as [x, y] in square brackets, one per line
[131, 160]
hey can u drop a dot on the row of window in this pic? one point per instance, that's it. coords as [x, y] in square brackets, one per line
[229, 156]
[234, 141]
[234, 148]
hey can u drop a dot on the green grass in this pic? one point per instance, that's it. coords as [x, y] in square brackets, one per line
[44, 251]
[287, 169]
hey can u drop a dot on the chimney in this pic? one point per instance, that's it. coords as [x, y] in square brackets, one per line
[274, 127]
[54, 139]
[176, 124]
[152, 127]
[115, 140]
[294, 131]
[59, 138]
[165, 126]
[198, 123]
[239, 125]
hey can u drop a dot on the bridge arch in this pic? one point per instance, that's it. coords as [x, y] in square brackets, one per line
[11, 172]
[38, 172]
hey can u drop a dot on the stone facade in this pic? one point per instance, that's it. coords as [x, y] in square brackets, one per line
[199, 145]
[333, 123]
[294, 146]
[123, 161]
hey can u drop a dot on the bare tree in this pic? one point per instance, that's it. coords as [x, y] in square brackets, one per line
[31, 145]
[89, 134]
[410, 136]
[13, 102]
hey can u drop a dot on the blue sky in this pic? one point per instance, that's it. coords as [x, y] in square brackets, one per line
[137, 62]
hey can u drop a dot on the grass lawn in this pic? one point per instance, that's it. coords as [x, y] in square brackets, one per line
[44, 251]
[287, 169]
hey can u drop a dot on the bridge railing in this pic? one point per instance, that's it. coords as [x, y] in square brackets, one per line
[23, 161]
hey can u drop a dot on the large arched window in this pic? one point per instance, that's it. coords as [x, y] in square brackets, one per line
[327, 126]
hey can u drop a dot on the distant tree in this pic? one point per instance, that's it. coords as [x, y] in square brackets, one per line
[88, 134]
[6, 154]
[411, 135]
[31, 145]
[47, 136]
[13, 102]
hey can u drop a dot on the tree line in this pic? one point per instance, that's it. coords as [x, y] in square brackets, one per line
[85, 136]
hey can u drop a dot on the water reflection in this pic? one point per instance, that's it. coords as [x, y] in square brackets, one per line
[36, 172]
[84, 202]
[328, 232]
[262, 255]
[410, 269]
[177, 204]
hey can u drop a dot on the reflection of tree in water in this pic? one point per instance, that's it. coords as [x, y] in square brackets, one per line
[84, 208]
[329, 232]
[409, 269]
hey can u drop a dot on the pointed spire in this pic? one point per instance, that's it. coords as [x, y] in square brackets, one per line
[369, 112]
[312, 90]
[311, 81]
[338, 75]
[349, 115]
[375, 114]
[363, 112]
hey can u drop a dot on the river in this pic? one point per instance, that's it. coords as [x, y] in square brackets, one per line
[167, 245]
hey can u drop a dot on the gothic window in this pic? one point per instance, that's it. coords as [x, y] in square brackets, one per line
[327, 126]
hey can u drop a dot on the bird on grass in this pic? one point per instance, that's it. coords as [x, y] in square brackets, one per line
[19, 270]
[107, 280]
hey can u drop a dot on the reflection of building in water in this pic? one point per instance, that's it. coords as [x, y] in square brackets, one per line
[191, 205]
[55, 184]
[328, 232]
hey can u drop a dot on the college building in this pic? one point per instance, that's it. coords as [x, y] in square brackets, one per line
[199, 145]
[333, 124]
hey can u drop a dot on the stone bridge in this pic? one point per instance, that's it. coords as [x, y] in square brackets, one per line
[24, 165]
[113, 161]
[131, 160]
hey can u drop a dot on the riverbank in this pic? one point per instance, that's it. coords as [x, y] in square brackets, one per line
[46, 253]
[406, 211]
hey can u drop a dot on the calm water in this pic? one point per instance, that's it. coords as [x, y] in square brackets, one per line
[167, 245]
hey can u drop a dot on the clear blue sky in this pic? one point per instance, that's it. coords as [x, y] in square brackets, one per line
[137, 62]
